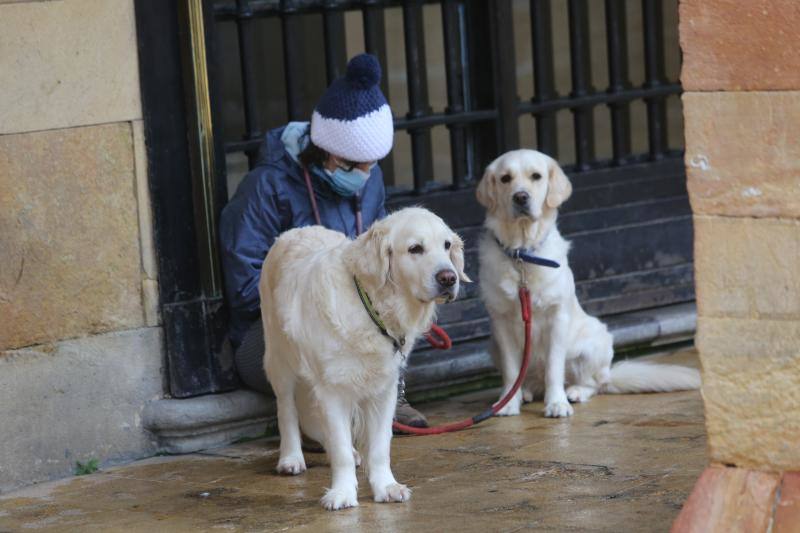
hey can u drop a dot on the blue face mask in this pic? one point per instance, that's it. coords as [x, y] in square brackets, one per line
[345, 182]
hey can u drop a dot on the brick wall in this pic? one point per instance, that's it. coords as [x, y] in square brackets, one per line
[741, 74]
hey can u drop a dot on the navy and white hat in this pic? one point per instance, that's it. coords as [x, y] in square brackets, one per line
[352, 120]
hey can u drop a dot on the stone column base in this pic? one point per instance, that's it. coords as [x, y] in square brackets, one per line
[193, 424]
[735, 500]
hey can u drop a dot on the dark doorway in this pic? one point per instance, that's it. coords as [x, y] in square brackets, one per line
[593, 84]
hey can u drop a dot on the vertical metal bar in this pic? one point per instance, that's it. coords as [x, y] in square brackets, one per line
[581, 70]
[375, 44]
[618, 80]
[501, 29]
[543, 75]
[215, 88]
[375, 38]
[653, 22]
[335, 45]
[470, 154]
[416, 72]
[202, 149]
[451, 22]
[482, 136]
[292, 61]
[244, 23]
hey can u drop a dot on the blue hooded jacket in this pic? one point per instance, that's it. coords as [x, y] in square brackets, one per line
[273, 198]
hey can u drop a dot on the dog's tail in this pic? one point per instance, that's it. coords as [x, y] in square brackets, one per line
[637, 376]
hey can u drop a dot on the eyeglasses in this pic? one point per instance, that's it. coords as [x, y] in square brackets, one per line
[347, 166]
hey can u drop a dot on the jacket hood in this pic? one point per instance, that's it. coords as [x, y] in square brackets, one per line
[274, 151]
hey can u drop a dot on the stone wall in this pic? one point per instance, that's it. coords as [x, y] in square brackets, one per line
[80, 346]
[741, 74]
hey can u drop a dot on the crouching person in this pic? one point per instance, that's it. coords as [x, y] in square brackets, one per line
[324, 172]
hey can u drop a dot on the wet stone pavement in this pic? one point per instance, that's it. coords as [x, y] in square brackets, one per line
[621, 463]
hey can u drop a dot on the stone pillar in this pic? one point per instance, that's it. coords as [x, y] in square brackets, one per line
[80, 346]
[741, 74]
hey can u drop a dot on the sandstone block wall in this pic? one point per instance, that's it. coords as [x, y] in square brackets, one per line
[80, 346]
[73, 193]
[741, 75]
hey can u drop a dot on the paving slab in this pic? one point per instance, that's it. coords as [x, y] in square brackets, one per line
[622, 463]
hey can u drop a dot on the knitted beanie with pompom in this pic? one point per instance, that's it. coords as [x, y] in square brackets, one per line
[352, 120]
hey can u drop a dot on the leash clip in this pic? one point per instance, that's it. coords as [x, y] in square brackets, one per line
[523, 278]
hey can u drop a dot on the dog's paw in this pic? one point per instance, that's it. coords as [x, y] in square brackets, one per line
[356, 457]
[291, 465]
[336, 499]
[558, 409]
[527, 395]
[395, 492]
[579, 394]
[532, 394]
[512, 407]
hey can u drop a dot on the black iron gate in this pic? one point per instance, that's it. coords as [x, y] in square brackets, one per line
[629, 216]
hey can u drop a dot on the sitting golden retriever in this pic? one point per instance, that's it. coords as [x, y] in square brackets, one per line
[522, 191]
[341, 316]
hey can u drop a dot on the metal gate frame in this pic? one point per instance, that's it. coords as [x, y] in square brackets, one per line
[474, 102]
[183, 166]
[628, 200]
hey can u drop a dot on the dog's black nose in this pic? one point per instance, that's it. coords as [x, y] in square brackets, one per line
[521, 198]
[446, 278]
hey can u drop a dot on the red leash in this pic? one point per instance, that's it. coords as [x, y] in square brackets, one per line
[438, 338]
[444, 340]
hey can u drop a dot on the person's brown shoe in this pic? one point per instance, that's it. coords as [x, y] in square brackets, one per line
[407, 415]
[404, 413]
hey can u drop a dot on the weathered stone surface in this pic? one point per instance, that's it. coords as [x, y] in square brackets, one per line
[69, 260]
[193, 424]
[735, 45]
[787, 513]
[746, 267]
[743, 154]
[751, 389]
[623, 463]
[734, 500]
[749, 338]
[76, 400]
[150, 300]
[67, 64]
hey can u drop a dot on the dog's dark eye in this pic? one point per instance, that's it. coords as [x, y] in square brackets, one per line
[506, 178]
[416, 249]
[536, 176]
[446, 245]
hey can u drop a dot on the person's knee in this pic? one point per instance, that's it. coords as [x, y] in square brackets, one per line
[249, 360]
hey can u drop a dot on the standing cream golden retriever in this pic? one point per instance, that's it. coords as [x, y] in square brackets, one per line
[522, 191]
[341, 316]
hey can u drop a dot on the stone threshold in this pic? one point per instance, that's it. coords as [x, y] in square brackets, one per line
[193, 424]
[653, 327]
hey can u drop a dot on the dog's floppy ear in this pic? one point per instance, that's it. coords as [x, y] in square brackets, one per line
[457, 257]
[558, 188]
[374, 254]
[486, 191]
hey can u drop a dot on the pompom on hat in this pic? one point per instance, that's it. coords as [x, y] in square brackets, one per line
[352, 120]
